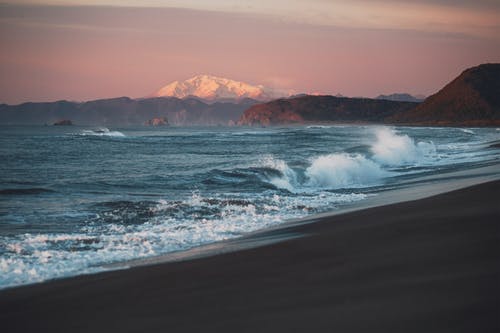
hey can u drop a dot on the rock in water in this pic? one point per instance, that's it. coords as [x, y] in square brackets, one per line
[63, 122]
[162, 121]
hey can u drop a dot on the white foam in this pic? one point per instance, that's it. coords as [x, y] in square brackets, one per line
[392, 149]
[103, 131]
[37, 257]
[288, 180]
[468, 131]
[343, 170]
[244, 133]
[319, 126]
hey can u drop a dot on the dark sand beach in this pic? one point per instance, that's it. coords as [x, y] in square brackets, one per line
[431, 265]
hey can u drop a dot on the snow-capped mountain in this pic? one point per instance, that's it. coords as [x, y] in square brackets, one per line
[210, 87]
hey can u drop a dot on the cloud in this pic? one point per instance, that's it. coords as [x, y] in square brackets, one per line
[480, 18]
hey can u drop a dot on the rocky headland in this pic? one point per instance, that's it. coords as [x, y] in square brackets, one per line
[311, 109]
[472, 99]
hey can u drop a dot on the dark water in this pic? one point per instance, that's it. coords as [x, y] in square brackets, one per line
[72, 198]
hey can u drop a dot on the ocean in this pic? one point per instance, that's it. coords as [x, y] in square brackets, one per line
[75, 199]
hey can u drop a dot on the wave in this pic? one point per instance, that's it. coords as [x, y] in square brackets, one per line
[468, 131]
[103, 132]
[286, 178]
[319, 126]
[393, 149]
[359, 168]
[24, 191]
[493, 144]
[325, 172]
[343, 170]
[244, 133]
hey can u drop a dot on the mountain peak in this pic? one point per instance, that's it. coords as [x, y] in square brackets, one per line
[211, 87]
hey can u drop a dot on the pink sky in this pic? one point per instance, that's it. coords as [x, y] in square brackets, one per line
[355, 48]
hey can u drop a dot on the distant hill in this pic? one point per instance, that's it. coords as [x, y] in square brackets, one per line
[472, 99]
[124, 111]
[322, 109]
[400, 97]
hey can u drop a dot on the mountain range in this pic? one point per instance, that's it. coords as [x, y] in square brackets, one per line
[124, 111]
[472, 99]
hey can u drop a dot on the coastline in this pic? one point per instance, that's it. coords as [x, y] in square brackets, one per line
[422, 265]
[428, 187]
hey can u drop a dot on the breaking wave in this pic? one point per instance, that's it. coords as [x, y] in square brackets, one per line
[391, 149]
[468, 131]
[103, 132]
[343, 170]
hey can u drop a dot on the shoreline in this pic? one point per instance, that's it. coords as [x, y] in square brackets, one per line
[423, 265]
[261, 237]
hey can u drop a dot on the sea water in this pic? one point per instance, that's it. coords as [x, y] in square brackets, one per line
[73, 199]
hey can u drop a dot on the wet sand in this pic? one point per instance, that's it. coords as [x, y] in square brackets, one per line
[430, 265]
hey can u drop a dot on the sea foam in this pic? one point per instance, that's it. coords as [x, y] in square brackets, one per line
[343, 170]
[103, 132]
[393, 149]
[288, 178]
[172, 225]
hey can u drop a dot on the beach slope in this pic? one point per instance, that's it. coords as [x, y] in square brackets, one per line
[431, 265]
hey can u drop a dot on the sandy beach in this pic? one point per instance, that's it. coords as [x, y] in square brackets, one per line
[430, 265]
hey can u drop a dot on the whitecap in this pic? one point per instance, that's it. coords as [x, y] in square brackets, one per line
[343, 170]
[393, 149]
[468, 131]
[288, 178]
[318, 127]
[103, 131]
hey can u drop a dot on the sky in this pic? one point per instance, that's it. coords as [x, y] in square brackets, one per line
[85, 50]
